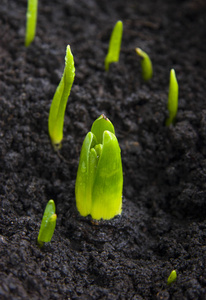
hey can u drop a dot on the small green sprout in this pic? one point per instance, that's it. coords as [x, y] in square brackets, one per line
[146, 64]
[114, 45]
[172, 104]
[48, 224]
[172, 278]
[59, 102]
[99, 180]
[31, 18]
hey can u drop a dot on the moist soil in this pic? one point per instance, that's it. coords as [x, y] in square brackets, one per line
[163, 225]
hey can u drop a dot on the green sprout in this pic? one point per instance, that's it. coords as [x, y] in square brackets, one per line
[172, 278]
[59, 102]
[99, 180]
[172, 104]
[48, 224]
[146, 64]
[114, 45]
[31, 18]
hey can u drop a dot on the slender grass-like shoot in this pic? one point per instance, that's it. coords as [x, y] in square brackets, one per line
[31, 18]
[172, 104]
[59, 102]
[114, 45]
[48, 224]
[172, 278]
[146, 64]
[99, 180]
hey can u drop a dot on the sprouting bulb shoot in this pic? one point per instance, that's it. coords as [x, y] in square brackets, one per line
[172, 277]
[48, 224]
[99, 180]
[172, 104]
[146, 64]
[59, 102]
[31, 18]
[114, 45]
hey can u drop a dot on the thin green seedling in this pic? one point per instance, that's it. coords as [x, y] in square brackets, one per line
[172, 277]
[59, 102]
[99, 179]
[31, 19]
[114, 45]
[172, 104]
[48, 224]
[146, 64]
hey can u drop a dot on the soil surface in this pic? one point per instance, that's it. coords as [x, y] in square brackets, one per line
[163, 223]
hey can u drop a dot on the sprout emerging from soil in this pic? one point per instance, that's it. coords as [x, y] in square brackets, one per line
[99, 180]
[172, 278]
[31, 18]
[172, 104]
[114, 45]
[48, 224]
[146, 64]
[59, 102]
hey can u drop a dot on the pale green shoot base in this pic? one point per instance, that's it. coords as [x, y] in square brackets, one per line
[146, 64]
[31, 18]
[172, 278]
[114, 45]
[59, 102]
[99, 180]
[172, 98]
[48, 224]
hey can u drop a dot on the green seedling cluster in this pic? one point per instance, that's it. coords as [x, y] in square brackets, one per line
[172, 104]
[99, 180]
[31, 18]
[172, 277]
[48, 224]
[114, 45]
[59, 102]
[146, 64]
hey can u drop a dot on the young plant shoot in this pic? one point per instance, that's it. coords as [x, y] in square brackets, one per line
[114, 45]
[172, 278]
[48, 224]
[31, 18]
[99, 180]
[59, 102]
[146, 64]
[172, 104]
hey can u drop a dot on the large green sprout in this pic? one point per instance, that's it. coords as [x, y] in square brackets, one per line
[99, 178]
[59, 102]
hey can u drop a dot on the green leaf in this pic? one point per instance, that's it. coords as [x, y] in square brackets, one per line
[31, 18]
[99, 180]
[99, 126]
[85, 174]
[108, 183]
[114, 45]
[59, 102]
[146, 64]
[48, 224]
[172, 278]
[172, 98]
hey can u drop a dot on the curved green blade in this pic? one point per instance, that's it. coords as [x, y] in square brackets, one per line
[59, 102]
[31, 18]
[146, 64]
[114, 45]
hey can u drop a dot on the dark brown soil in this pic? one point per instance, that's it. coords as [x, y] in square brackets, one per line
[163, 224]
